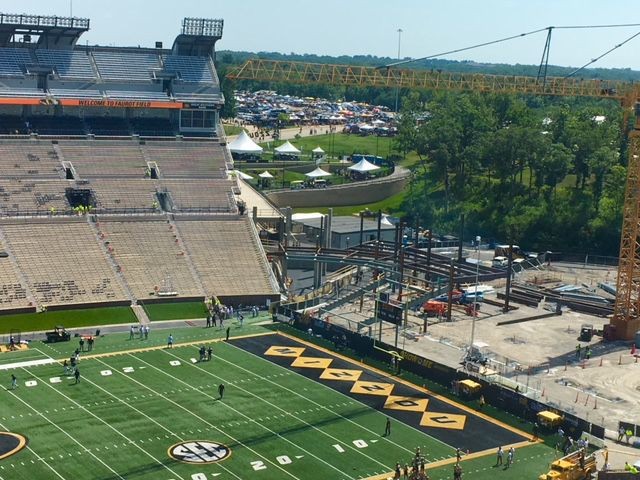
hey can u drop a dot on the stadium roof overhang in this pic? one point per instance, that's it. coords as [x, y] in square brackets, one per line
[52, 31]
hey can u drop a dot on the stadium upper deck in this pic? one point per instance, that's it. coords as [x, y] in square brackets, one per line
[45, 74]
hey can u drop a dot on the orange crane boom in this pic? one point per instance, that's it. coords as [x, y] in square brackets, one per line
[626, 317]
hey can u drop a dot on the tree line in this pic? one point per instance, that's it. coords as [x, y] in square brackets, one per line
[547, 173]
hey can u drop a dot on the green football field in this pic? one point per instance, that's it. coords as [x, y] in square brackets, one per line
[143, 411]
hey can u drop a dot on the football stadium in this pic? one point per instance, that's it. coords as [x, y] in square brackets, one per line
[119, 212]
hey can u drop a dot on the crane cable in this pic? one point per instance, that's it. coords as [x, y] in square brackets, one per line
[594, 60]
[411, 60]
[512, 37]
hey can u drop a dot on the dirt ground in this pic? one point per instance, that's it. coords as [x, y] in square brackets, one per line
[538, 355]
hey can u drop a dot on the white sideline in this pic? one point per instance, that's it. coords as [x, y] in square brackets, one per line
[28, 363]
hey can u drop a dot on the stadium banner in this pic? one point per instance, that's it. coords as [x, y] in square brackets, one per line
[20, 101]
[87, 102]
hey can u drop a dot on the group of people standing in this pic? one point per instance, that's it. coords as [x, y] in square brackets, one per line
[143, 332]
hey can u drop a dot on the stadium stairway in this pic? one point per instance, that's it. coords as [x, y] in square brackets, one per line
[140, 314]
[192, 267]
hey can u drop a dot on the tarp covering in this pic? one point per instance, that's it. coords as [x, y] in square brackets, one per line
[317, 173]
[298, 217]
[242, 175]
[287, 148]
[363, 166]
[265, 174]
[244, 144]
[317, 150]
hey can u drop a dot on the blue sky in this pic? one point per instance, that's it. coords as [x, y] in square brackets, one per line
[336, 27]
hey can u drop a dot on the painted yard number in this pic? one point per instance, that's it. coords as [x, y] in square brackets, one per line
[356, 443]
[282, 460]
[285, 460]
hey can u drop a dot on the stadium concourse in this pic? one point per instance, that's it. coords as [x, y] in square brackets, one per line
[117, 183]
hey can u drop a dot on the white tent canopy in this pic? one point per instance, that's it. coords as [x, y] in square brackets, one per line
[242, 175]
[317, 150]
[244, 144]
[385, 221]
[363, 166]
[317, 173]
[265, 174]
[287, 149]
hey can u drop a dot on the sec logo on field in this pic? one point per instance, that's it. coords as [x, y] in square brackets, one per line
[199, 452]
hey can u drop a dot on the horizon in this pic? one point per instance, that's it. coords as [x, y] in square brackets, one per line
[361, 27]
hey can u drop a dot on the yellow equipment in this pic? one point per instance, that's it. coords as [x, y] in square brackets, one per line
[575, 466]
[549, 420]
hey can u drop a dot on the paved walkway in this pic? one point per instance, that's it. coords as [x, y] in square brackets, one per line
[286, 133]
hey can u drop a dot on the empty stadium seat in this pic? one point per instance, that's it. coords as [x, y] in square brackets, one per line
[189, 69]
[67, 63]
[129, 66]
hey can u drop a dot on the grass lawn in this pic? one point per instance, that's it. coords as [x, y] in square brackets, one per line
[231, 130]
[340, 144]
[175, 310]
[388, 205]
[32, 322]
[155, 414]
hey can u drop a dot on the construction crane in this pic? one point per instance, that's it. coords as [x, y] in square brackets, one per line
[626, 317]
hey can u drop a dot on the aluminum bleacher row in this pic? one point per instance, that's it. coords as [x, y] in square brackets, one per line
[76, 261]
[62, 263]
[107, 64]
[191, 175]
[67, 64]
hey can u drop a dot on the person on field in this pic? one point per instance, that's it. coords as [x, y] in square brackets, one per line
[500, 456]
[387, 428]
[221, 390]
[209, 353]
[170, 341]
[14, 382]
[77, 375]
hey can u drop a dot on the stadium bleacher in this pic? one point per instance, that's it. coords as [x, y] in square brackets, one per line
[67, 63]
[49, 255]
[128, 66]
[189, 69]
[13, 60]
[12, 292]
[148, 252]
[226, 256]
[109, 220]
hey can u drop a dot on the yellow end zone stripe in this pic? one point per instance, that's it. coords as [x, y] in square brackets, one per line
[464, 408]
[451, 461]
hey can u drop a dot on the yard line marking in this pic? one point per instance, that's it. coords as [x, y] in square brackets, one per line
[37, 456]
[112, 428]
[251, 420]
[273, 405]
[325, 407]
[199, 418]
